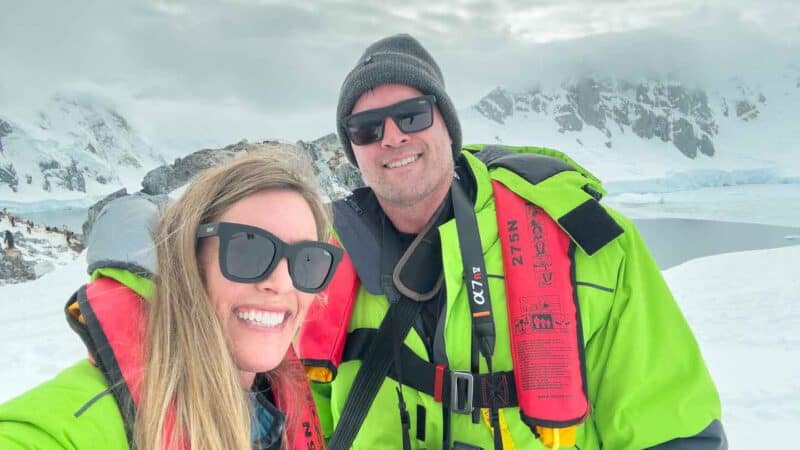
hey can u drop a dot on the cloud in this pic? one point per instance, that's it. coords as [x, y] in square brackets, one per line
[282, 63]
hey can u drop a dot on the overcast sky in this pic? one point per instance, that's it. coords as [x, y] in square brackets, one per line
[215, 70]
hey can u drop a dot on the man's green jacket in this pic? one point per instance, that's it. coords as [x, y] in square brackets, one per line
[647, 382]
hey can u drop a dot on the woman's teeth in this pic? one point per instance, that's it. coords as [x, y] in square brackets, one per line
[402, 162]
[262, 318]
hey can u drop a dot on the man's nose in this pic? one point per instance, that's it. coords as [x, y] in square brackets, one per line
[393, 136]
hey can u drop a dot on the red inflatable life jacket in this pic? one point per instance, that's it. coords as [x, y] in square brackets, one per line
[111, 319]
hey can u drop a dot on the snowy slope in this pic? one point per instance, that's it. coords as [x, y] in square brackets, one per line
[40, 251]
[743, 308]
[655, 135]
[78, 145]
[745, 312]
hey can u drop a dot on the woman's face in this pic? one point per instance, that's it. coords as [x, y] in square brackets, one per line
[260, 319]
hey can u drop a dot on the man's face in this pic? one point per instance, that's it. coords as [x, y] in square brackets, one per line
[404, 168]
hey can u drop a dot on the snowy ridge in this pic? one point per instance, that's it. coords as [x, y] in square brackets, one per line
[78, 145]
[733, 132]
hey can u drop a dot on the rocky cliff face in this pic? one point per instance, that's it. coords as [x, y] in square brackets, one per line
[334, 174]
[669, 111]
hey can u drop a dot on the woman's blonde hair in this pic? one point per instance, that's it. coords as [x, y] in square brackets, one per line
[190, 374]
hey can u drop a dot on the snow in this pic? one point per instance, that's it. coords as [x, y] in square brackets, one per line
[48, 249]
[77, 129]
[765, 149]
[770, 204]
[745, 312]
[743, 307]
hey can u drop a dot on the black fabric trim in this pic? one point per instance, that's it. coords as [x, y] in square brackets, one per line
[371, 374]
[92, 401]
[593, 192]
[590, 226]
[595, 286]
[421, 421]
[80, 328]
[711, 438]
[107, 363]
[357, 220]
[533, 167]
[420, 374]
[111, 264]
[263, 394]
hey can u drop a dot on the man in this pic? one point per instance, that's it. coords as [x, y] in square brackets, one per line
[636, 359]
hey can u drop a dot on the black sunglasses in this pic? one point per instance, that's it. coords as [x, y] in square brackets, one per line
[249, 254]
[411, 116]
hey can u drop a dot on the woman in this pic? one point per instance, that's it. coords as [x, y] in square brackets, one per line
[240, 261]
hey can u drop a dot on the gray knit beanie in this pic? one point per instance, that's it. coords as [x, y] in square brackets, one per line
[399, 59]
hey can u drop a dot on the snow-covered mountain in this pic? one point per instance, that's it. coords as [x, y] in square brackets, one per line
[631, 130]
[77, 145]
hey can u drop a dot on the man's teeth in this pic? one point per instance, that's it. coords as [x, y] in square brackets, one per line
[402, 162]
[263, 318]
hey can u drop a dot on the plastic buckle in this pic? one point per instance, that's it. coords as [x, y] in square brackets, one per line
[456, 380]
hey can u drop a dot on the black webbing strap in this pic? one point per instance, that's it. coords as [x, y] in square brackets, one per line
[382, 352]
[374, 368]
[421, 375]
[480, 303]
[474, 270]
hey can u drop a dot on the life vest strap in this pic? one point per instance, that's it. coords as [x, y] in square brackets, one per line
[449, 387]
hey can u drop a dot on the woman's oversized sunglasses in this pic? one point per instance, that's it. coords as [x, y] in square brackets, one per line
[410, 116]
[249, 254]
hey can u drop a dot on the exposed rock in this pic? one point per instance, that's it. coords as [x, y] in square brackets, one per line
[73, 178]
[746, 110]
[69, 177]
[684, 138]
[497, 105]
[706, 146]
[586, 97]
[335, 175]
[647, 109]
[569, 122]
[5, 130]
[8, 175]
[15, 269]
[167, 178]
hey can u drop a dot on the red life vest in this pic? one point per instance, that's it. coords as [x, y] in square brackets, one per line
[543, 319]
[111, 319]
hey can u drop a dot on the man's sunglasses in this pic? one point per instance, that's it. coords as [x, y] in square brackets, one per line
[410, 116]
[249, 254]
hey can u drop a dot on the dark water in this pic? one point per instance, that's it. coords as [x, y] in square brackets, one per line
[71, 218]
[674, 241]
